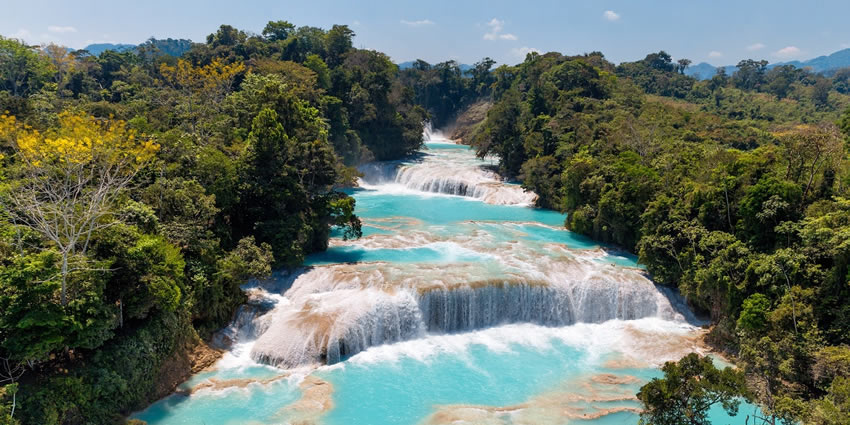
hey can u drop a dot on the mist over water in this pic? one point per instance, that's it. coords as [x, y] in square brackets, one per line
[460, 304]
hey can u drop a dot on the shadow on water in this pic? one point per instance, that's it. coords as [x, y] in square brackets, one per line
[680, 305]
[335, 255]
[159, 410]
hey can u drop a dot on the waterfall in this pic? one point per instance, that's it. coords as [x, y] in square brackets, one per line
[447, 171]
[432, 135]
[250, 320]
[328, 327]
[338, 311]
[502, 303]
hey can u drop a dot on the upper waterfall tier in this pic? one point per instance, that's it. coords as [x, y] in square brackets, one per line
[446, 168]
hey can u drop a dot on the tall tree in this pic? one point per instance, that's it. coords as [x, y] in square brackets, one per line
[69, 179]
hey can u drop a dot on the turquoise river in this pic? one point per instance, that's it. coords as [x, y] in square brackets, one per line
[460, 304]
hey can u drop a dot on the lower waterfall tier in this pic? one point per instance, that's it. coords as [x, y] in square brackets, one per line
[338, 311]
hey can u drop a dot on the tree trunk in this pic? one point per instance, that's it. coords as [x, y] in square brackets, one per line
[64, 298]
[791, 294]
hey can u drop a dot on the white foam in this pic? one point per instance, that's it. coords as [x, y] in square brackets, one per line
[615, 336]
[445, 171]
[339, 310]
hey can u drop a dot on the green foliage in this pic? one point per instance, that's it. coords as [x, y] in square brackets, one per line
[33, 324]
[8, 402]
[731, 189]
[753, 316]
[442, 89]
[764, 206]
[278, 30]
[118, 377]
[657, 74]
[750, 74]
[218, 298]
[688, 390]
[245, 179]
[379, 109]
[24, 71]
[834, 407]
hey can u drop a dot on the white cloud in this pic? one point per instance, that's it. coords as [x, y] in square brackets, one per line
[611, 15]
[715, 54]
[521, 52]
[496, 25]
[419, 23]
[756, 46]
[495, 33]
[61, 29]
[787, 52]
[845, 45]
[355, 24]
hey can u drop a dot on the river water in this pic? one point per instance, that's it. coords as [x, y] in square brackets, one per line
[460, 304]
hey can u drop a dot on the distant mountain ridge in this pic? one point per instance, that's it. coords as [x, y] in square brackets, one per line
[826, 63]
[98, 48]
[820, 64]
[168, 46]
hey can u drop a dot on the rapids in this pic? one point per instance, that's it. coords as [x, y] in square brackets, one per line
[460, 304]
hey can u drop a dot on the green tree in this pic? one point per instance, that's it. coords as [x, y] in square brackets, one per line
[688, 390]
[834, 407]
[750, 74]
[820, 92]
[23, 70]
[278, 30]
[337, 43]
[8, 394]
[779, 80]
[753, 316]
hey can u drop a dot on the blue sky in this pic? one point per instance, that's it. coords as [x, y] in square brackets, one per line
[716, 31]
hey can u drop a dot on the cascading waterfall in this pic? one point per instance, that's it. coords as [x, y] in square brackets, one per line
[445, 168]
[431, 135]
[338, 311]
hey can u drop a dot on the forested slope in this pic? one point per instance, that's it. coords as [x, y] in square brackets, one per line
[138, 191]
[733, 189]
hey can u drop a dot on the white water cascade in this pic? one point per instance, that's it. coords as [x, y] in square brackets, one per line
[337, 311]
[451, 171]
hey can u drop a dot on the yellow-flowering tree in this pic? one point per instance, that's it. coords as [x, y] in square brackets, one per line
[65, 181]
[202, 89]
